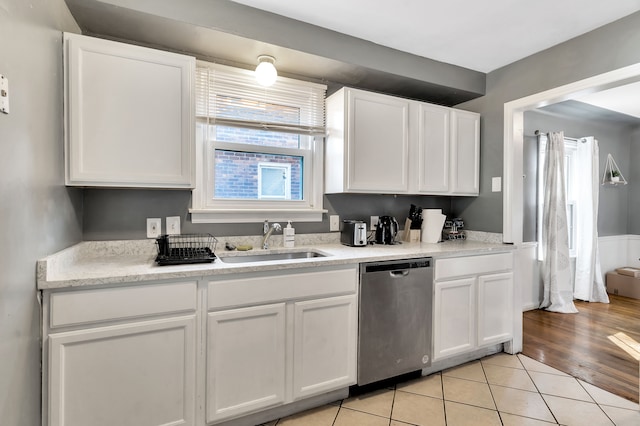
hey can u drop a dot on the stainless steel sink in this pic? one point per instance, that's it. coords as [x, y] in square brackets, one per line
[265, 257]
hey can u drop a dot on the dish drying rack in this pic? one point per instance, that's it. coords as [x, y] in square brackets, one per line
[186, 248]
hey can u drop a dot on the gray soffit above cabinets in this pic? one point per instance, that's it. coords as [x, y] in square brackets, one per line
[233, 34]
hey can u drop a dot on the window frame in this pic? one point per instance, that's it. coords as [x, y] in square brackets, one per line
[207, 209]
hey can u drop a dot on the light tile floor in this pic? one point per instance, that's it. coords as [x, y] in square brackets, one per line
[509, 390]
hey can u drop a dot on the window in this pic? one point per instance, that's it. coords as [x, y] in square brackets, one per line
[570, 149]
[259, 150]
[274, 181]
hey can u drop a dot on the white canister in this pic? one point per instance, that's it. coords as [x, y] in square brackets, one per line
[432, 223]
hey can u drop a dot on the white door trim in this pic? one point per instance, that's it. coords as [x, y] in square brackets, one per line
[513, 200]
[512, 217]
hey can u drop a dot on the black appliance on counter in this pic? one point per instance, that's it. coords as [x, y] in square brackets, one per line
[354, 233]
[386, 230]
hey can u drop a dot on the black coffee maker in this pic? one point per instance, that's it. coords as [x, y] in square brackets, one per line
[386, 230]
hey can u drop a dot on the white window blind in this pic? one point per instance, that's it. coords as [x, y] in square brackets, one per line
[230, 96]
[240, 126]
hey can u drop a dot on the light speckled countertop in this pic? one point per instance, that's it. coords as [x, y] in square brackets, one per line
[94, 263]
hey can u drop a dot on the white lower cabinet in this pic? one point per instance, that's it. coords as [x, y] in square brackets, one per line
[473, 303]
[245, 360]
[324, 345]
[454, 317]
[202, 351]
[297, 340]
[495, 313]
[117, 368]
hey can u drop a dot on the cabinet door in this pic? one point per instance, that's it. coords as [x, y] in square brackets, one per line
[129, 115]
[325, 334]
[433, 149]
[378, 143]
[495, 308]
[245, 360]
[125, 375]
[466, 153]
[454, 317]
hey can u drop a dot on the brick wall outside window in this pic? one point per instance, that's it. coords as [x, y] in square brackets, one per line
[236, 173]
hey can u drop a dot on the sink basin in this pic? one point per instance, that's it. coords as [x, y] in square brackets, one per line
[265, 257]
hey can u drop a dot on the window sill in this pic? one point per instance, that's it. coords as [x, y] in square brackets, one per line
[254, 215]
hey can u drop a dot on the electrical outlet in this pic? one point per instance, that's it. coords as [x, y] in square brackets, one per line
[154, 227]
[334, 223]
[4, 94]
[173, 225]
[374, 221]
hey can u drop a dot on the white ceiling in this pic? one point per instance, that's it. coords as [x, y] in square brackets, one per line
[623, 99]
[479, 35]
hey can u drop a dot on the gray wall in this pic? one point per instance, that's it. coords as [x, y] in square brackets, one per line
[633, 224]
[605, 49]
[39, 215]
[113, 214]
[613, 138]
[591, 54]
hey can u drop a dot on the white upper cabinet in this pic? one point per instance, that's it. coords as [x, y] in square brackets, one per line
[465, 143]
[368, 145]
[129, 118]
[385, 144]
[448, 150]
[434, 151]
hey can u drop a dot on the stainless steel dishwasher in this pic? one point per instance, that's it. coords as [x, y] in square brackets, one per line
[394, 329]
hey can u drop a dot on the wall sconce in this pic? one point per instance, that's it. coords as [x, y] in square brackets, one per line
[266, 72]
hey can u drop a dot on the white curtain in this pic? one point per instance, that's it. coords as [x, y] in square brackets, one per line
[556, 272]
[588, 284]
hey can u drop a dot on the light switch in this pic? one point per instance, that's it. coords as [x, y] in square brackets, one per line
[496, 184]
[4, 94]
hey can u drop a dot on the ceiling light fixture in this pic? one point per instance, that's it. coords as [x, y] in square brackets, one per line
[266, 72]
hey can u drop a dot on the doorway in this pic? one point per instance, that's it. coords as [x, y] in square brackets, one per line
[514, 136]
[512, 217]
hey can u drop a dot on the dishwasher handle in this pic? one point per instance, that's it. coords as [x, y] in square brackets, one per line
[399, 273]
[392, 266]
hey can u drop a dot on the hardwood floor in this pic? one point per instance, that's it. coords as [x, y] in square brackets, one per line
[578, 344]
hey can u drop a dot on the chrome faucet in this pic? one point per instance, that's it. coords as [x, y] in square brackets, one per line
[267, 231]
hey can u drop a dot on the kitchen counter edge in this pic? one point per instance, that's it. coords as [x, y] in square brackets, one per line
[78, 267]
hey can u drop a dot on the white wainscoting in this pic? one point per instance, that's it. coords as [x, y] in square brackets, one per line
[615, 251]
[528, 273]
[633, 250]
[619, 250]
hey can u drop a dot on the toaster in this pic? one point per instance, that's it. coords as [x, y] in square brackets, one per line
[354, 233]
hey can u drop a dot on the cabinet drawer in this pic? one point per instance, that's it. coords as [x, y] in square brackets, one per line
[106, 304]
[251, 289]
[472, 265]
